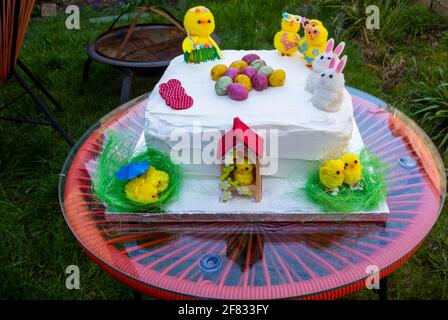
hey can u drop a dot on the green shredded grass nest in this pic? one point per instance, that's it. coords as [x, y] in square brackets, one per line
[372, 194]
[201, 55]
[118, 153]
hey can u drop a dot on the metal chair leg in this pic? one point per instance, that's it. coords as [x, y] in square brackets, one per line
[21, 120]
[86, 69]
[137, 295]
[39, 85]
[126, 85]
[382, 291]
[54, 122]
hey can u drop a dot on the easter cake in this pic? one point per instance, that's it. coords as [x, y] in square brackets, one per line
[260, 135]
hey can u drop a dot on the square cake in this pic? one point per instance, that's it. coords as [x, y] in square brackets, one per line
[259, 135]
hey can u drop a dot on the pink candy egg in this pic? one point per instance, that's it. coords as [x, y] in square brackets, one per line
[249, 71]
[237, 91]
[260, 81]
[232, 72]
[250, 57]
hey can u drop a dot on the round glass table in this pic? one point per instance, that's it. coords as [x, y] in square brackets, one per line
[261, 260]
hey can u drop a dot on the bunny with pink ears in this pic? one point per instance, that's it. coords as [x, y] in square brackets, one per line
[329, 88]
[322, 62]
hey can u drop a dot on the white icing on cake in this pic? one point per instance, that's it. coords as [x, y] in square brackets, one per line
[304, 132]
[200, 192]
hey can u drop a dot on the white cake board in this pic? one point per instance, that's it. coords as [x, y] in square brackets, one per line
[198, 200]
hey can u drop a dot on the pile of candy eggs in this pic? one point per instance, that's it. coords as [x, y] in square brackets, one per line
[251, 72]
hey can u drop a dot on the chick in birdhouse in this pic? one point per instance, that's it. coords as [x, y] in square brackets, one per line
[287, 40]
[331, 175]
[314, 42]
[199, 46]
[353, 170]
[244, 173]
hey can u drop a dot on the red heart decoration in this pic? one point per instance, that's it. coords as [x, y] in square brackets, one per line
[176, 91]
[174, 95]
[180, 102]
[171, 88]
[174, 83]
[163, 89]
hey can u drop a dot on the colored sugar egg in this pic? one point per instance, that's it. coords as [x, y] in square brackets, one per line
[244, 80]
[222, 85]
[250, 57]
[218, 71]
[237, 91]
[239, 64]
[277, 78]
[257, 64]
[266, 70]
[249, 71]
[232, 72]
[259, 81]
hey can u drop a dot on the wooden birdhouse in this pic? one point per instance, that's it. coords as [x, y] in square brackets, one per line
[244, 148]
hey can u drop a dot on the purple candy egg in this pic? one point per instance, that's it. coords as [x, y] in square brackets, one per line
[237, 91]
[250, 57]
[232, 72]
[260, 81]
[249, 71]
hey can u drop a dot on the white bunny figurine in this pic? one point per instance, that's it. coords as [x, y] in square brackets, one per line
[322, 62]
[329, 89]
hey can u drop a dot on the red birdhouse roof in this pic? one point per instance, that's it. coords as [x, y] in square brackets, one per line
[240, 132]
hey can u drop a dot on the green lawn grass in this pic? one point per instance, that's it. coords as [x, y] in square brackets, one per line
[404, 63]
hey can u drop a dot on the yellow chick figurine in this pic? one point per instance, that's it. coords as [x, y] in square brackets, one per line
[199, 46]
[314, 23]
[244, 173]
[314, 42]
[159, 179]
[287, 40]
[353, 170]
[141, 190]
[331, 175]
[146, 188]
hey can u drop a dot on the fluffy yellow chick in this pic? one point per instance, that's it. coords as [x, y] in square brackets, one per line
[244, 173]
[331, 175]
[287, 40]
[314, 23]
[200, 24]
[159, 179]
[314, 42]
[353, 170]
[141, 190]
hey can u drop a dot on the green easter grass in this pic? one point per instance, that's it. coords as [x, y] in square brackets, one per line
[347, 200]
[109, 190]
[202, 55]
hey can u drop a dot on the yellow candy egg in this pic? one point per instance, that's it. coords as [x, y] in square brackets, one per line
[244, 80]
[218, 71]
[277, 78]
[239, 64]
